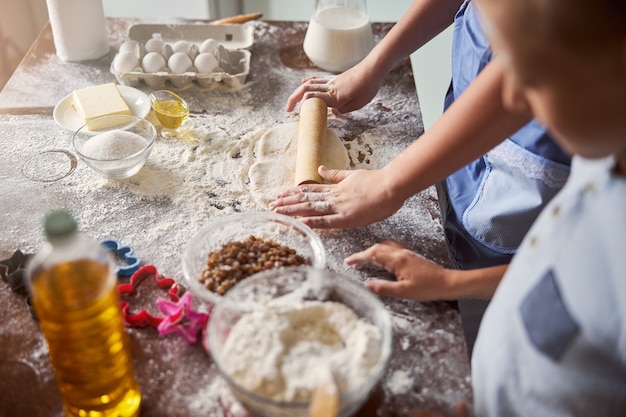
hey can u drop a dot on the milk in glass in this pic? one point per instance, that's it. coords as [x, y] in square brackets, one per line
[339, 35]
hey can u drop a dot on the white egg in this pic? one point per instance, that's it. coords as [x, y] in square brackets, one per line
[209, 46]
[181, 46]
[154, 45]
[129, 45]
[125, 62]
[153, 62]
[179, 62]
[205, 63]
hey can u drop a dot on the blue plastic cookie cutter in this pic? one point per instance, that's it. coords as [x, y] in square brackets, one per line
[128, 263]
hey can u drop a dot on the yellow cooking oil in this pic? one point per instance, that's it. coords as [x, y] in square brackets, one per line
[171, 113]
[77, 305]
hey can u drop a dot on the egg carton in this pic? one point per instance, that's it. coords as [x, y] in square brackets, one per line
[233, 55]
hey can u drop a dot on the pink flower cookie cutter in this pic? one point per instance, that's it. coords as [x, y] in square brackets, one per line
[180, 317]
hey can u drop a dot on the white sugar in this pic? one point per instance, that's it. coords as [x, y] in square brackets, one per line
[115, 144]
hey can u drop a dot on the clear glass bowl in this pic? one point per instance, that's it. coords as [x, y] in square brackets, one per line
[297, 283]
[119, 150]
[282, 229]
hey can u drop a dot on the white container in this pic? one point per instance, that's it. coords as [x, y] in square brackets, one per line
[339, 35]
[78, 29]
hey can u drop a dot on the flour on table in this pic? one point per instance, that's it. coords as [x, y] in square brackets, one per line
[279, 350]
[400, 382]
[274, 166]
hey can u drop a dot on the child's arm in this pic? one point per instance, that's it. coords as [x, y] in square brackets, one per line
[357, 86]
[474, 124]
[421, 279]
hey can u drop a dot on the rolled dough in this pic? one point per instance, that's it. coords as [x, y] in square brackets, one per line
[274, 165]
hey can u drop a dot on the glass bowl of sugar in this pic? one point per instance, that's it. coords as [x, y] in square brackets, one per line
[116, 147]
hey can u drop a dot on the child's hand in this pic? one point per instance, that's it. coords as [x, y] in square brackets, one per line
[346, 92]
[355, 198]
[417, 277]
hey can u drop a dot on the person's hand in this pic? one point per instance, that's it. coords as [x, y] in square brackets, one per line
[346, 92]
[417, 277]
[353, 199]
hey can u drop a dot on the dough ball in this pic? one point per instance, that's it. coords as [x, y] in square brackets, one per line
[125, 62]
[205, 63]
[209, 46]
[153, 62]
[179, 63]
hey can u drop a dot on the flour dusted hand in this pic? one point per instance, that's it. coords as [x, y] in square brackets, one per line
[354, 198]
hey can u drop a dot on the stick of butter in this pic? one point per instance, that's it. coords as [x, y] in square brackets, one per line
[98, 101]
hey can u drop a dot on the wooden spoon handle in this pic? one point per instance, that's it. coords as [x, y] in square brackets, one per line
[325, 399]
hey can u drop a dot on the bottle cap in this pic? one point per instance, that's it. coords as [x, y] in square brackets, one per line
[59, 224]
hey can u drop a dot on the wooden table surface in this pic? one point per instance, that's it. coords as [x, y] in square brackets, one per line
[160, 208]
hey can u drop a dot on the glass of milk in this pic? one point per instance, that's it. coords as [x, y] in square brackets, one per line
[339, 35]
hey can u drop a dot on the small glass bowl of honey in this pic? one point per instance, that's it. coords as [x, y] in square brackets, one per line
[172, 111]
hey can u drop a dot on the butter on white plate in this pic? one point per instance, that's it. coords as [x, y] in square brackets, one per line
[98, 101]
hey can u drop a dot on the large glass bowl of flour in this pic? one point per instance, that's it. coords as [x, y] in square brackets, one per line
[274, 336]
[117, 146]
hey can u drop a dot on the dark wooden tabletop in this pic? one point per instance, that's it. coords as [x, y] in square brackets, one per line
[429, 365]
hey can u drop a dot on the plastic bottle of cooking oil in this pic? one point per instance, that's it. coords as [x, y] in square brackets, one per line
[75, 297]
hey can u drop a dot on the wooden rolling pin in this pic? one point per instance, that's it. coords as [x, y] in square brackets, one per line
[311, 144]
[242, 18]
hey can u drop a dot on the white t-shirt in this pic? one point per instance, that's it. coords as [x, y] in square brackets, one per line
[553, 340]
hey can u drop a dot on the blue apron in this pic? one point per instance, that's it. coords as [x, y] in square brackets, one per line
[489, 205]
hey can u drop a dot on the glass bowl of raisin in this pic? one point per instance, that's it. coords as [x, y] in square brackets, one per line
[233, 248]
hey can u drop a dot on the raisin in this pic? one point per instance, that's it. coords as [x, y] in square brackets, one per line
[236, 261]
